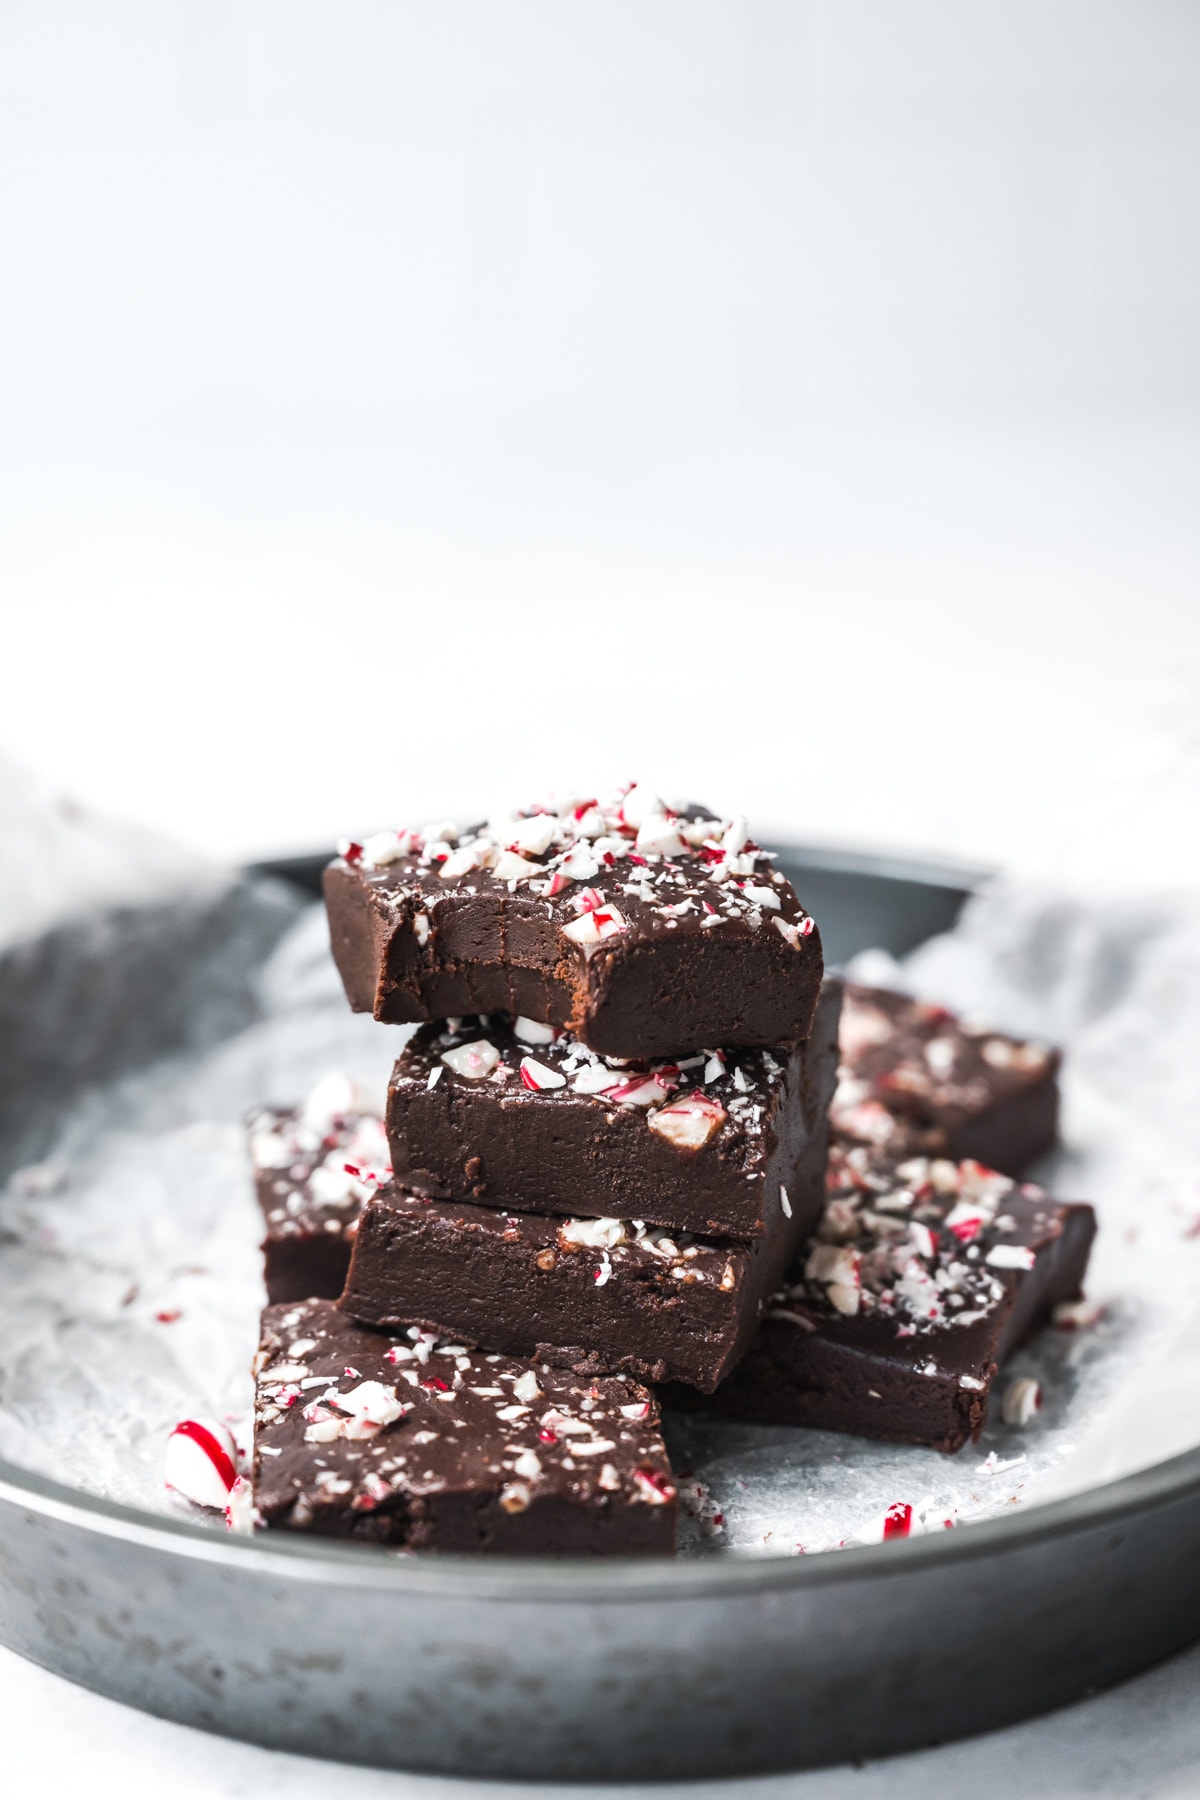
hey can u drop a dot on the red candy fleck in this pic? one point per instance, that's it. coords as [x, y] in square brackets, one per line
[435, 1381]
[655, 1479]
[635, 858]
[169, 1314]
[352, 854]
[897, 1520]
[351, 1169]
[806, 927]
[528, 1079]
[557, 882]
[352, 1374]
[547, 1436]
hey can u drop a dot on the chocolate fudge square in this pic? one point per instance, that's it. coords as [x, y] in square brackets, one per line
[922, 1278]
[916, 1081]
[523, 1116]
[417, 1442]
[593, 1295]
[314, 1165]
[641, 930]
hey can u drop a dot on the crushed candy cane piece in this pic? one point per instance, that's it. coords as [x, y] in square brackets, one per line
[200, 1462]
[474, 1061]
[1022, 1401]
[689, 1121]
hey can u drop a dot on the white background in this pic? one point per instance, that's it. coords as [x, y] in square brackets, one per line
[407, 406]
[791, 403]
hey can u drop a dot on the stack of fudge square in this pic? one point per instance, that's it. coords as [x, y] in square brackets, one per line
[624, 1161]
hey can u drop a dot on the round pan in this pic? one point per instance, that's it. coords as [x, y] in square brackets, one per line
[615, 1671]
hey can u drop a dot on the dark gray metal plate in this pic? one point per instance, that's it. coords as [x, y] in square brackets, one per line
[621, 1671]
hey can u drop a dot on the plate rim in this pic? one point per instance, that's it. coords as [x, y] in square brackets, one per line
[521, 1579]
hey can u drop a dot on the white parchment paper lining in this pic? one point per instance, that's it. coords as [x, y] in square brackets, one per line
[130, 1279]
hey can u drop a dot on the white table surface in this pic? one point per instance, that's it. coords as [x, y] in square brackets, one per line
[1139, 1742]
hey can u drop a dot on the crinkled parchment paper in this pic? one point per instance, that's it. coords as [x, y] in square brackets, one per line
[129, 1268]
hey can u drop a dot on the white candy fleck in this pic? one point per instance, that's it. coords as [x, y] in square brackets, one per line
[532, 1031]
[473, 1061]
[594, 1234]
[1022, 1401]
[1010, 1256]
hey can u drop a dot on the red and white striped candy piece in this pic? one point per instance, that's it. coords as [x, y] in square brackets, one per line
[652, 1487]
[641, 1090]
[537, 1076]
[200, 1462]
[1011, 1256]
[903, 1520]
[688, 1122]
[239, 1509]
[593, 927]
[1022, 1401]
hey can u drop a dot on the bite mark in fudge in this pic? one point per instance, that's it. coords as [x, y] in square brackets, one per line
[643, 931]
[916, 1081]
[418, 1442]
[921, 1279]
[593, 1295]
[527, 1117]
[314, 1166]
